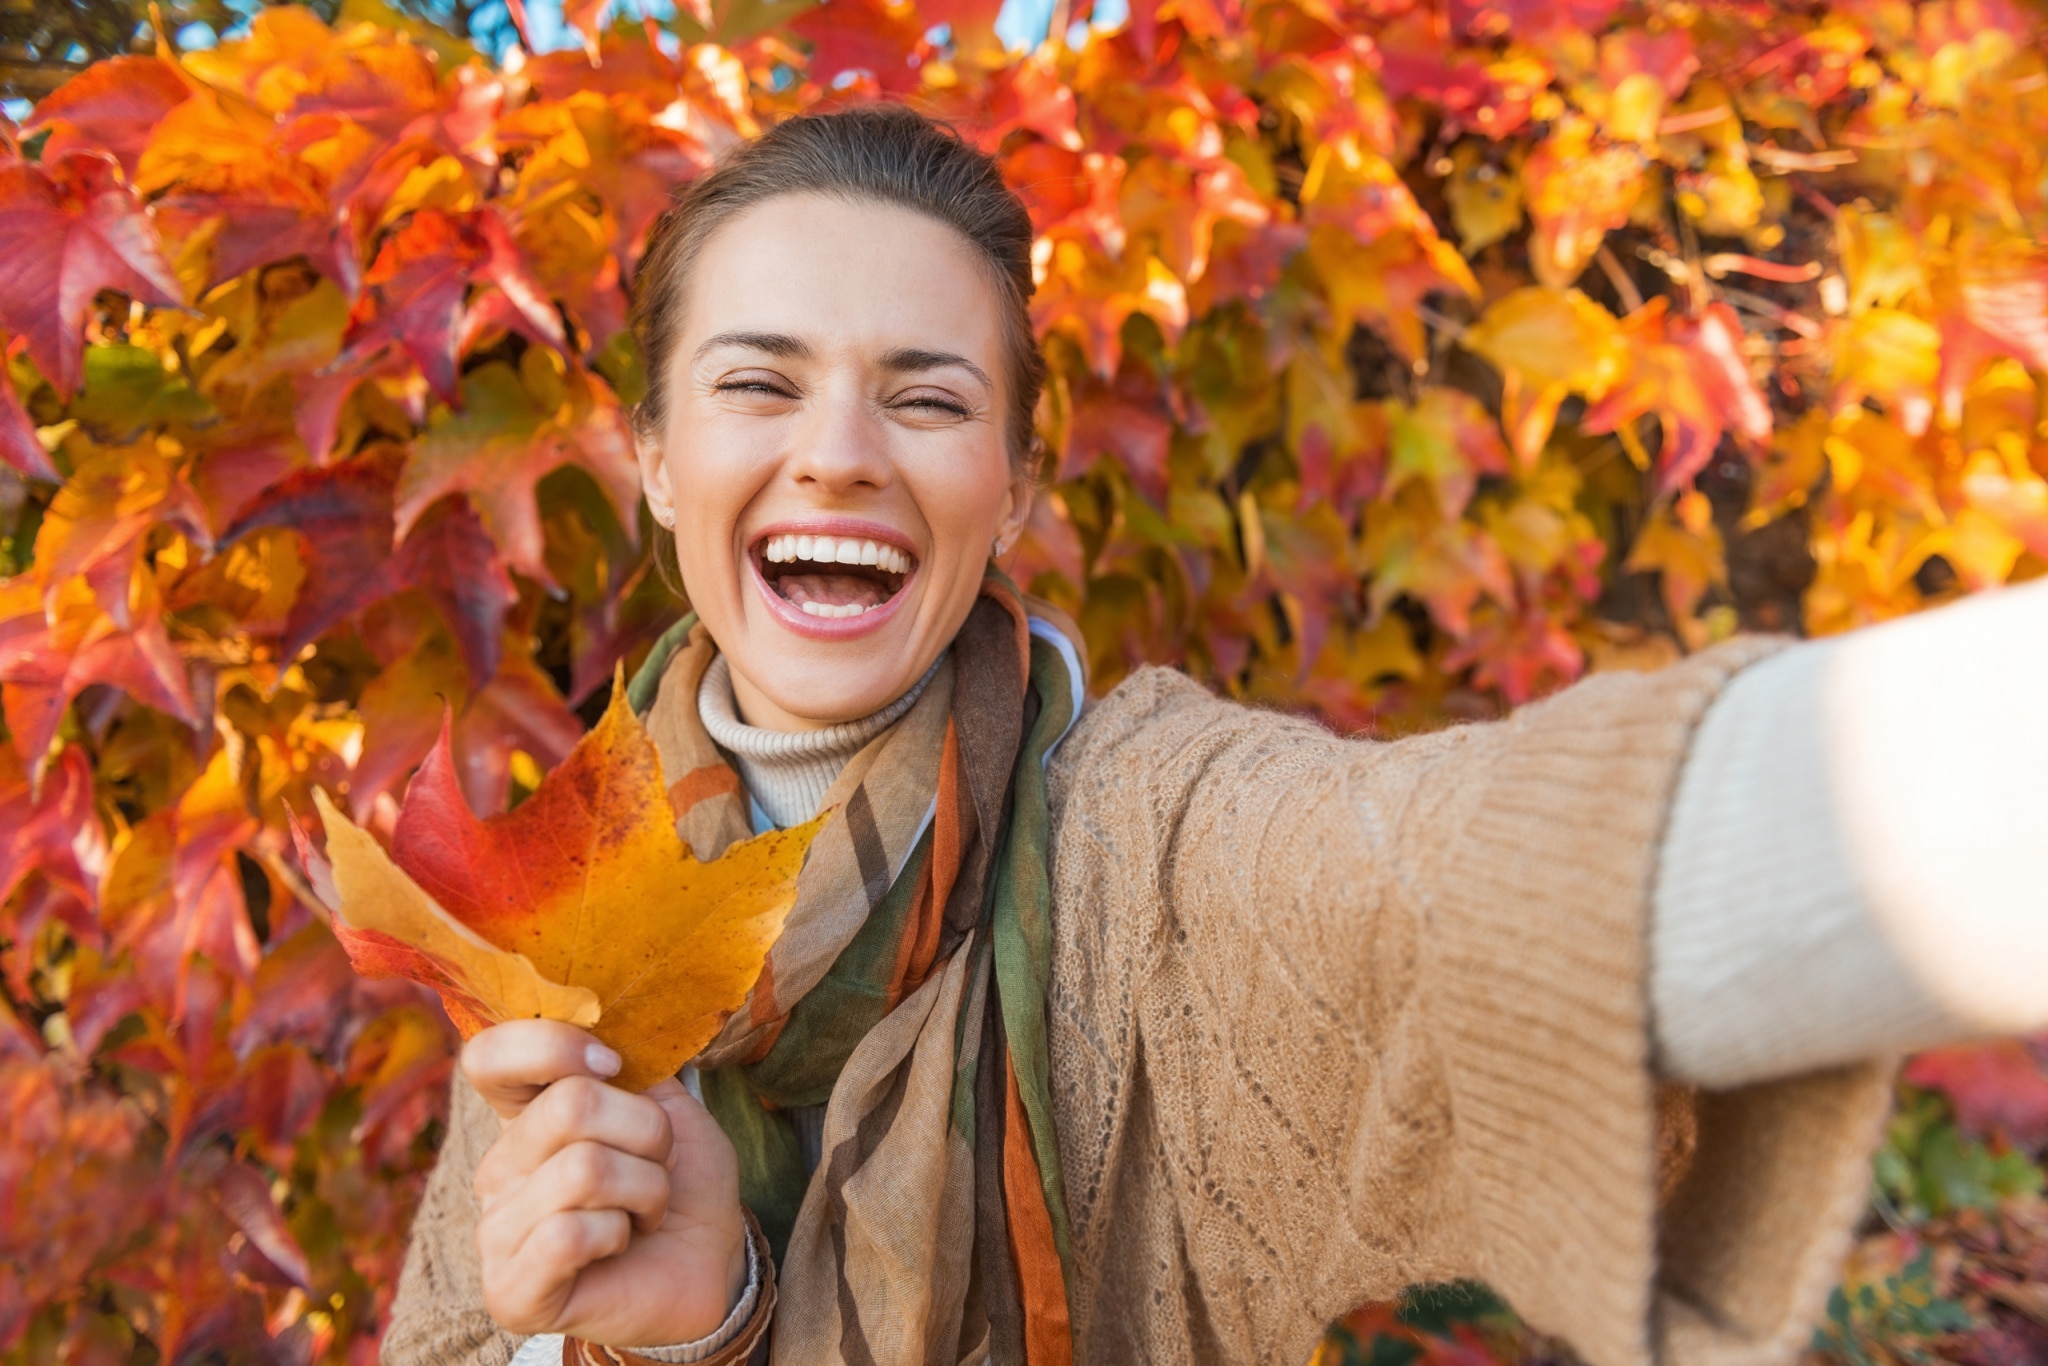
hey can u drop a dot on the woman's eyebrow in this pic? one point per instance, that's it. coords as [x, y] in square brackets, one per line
[910, 359]
[778, 344]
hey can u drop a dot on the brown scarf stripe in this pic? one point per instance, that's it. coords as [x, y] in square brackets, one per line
[875, 873]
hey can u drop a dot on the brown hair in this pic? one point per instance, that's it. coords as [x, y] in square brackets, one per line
[882, 153]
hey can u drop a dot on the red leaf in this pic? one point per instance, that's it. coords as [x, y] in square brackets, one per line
[412, 296]
[19, 446]
[450, 556]
[513, 428]
[344, 512]
[56, 833]
[1129, 423]
[1994, 1087]
[861, 35]
[111, 106]
[45, 665]
[68, 231]
[244, 1197]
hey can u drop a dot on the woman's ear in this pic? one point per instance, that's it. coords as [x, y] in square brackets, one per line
[654, 479]
[1014, 512]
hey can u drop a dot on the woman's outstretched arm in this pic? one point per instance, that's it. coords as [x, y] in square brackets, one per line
[1858, 855]
[1332, 1017]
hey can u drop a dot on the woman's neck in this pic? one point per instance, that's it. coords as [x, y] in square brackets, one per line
[788, 772]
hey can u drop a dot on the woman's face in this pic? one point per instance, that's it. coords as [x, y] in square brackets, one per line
[834, 452]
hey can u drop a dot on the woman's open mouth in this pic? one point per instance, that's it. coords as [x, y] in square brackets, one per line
[831, 578]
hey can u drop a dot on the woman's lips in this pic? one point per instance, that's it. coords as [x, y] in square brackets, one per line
[830, 587]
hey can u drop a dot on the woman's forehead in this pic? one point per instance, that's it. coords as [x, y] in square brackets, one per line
[844, 275]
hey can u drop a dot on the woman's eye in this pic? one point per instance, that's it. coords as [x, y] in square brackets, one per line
[752, 386]
[936, 404]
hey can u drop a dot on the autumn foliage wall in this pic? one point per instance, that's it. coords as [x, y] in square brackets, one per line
[1409, 360]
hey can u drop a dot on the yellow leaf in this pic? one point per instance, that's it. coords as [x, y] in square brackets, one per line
[1547, 344]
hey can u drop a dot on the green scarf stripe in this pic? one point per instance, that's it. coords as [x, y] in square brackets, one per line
[1023, 930]
[771, 1164]
[646, 684]
[835, 1015]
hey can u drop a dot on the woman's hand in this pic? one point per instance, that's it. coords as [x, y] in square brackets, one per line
[605, 1216]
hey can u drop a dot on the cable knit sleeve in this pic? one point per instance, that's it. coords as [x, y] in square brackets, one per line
[438, 1317]
[1332, 1017]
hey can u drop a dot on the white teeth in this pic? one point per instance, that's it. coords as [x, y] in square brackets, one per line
[835, 550]
[826, 609]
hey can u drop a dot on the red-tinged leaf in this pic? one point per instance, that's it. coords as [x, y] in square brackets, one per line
[68, 231]
[587, 18]
[513, 428]
[1446, 439]
[1028, 95]
[1692, 376]
[343, 512]
[862, 35]
[56, 832]
[413, 295]
[1996, 1088]
[449, 556]
[245, 1198]
[19, 445]
[1129, 422]
[518, 710]
[47, 661]
[111, 106]
[517, 10]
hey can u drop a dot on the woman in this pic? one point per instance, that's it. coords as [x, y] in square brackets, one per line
[1165, 1029]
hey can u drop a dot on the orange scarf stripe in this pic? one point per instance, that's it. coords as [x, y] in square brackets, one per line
[1048, 1333]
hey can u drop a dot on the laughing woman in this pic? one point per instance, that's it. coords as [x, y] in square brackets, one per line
[1158, 1028]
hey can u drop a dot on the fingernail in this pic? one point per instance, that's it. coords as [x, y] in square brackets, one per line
[602, 1060]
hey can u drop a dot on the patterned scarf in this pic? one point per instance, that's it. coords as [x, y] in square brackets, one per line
[907, 995]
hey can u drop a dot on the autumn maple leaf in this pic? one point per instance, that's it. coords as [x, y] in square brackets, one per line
[581, 904]
[111, 106]
[344, 512]
[67, 231]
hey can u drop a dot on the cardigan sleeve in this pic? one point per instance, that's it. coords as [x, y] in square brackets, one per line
[1332, 1017]
[438, 1317]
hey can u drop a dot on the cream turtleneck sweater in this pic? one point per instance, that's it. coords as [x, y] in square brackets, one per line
[787, 773]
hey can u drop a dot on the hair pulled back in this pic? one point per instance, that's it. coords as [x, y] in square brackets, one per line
[881, 153]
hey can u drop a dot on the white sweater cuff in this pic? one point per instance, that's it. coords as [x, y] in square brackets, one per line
[1853, 861]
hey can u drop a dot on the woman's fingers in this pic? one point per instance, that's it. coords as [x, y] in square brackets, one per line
[582, 1176]
[574, 1110]
[527, 1291]
[511, 1063]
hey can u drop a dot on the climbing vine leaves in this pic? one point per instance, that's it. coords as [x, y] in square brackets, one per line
[1408, 360]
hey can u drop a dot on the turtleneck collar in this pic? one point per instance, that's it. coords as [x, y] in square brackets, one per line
[788, 772]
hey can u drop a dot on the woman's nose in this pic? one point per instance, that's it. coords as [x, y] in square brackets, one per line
[844, 447]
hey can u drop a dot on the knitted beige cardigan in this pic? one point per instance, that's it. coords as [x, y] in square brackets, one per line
[1332, 1017]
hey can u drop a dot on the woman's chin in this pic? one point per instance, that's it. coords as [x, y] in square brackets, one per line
[815, 696]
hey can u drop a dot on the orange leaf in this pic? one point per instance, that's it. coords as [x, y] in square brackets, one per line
[588, 885]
